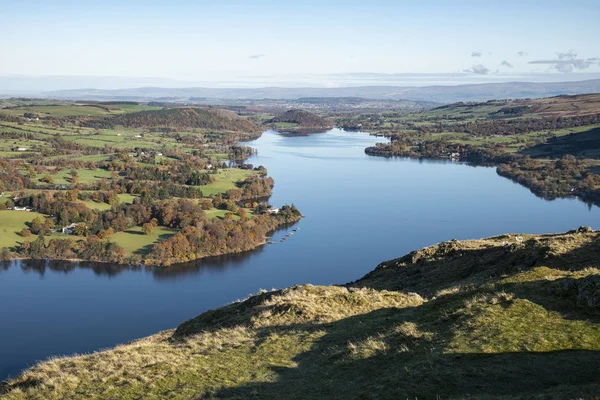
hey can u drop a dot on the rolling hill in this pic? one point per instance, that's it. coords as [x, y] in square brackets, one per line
[512, 316]
[180, 118]
[301, 119]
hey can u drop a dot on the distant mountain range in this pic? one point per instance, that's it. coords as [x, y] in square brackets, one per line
[443, 94]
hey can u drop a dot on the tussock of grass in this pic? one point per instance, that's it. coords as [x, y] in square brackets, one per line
[504, 320]
[502, 323]
[298, 305]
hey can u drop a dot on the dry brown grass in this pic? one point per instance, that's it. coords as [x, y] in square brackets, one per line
[585, 104]
[454, 266]
[503, 321]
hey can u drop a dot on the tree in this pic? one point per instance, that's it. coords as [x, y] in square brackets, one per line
[79, 229]
[37, 225]
[73, 195]
[25, 232]
[5, 254]
[104, 233]
[147, 228]
[241, 213]
[37, 248]
[48, 179]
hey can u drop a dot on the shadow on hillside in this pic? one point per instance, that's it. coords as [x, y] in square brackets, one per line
[585, 144]
[406, 358]
[551, 296]
[586, 256]
[408, 353]
[148, 248]
[448, 266]
[132, 232]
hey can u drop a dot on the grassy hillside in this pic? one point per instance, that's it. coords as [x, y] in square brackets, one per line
[504, 317]
[180, 118]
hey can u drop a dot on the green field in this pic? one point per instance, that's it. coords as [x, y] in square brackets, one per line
[216, 213]
[57, 111]
[68, 110]
[98, 206]
[123, 198]
[94, 157]
[226, 180]
[220, 214]
[126, 198]
[135, 242]
[86, 176]
[12, 222]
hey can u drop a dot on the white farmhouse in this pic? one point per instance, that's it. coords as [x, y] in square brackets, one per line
[68, 230]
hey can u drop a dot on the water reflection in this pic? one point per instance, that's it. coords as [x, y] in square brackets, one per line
[219, 263]
[214, 264]
[359, 210]
[302, 132]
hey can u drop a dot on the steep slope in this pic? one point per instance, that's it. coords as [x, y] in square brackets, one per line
[505, 317]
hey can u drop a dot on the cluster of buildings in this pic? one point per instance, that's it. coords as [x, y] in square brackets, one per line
[20, 208]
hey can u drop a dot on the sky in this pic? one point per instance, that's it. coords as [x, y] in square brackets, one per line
[284, 43]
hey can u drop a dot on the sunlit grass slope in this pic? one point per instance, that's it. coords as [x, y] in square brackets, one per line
[505, 317]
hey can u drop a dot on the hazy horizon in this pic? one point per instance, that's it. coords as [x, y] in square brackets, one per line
[115, 45]
[15, 84]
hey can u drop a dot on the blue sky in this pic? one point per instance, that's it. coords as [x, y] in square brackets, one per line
[227, 43]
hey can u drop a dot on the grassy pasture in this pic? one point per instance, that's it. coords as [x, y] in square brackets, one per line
[216, 213]
[226, 180]
[135, 242]
[52, 109]
[220, 214]
[93, 157]
[12, 223]
[57, 111]
[98, 206]
[126, 198]
[28, 103]
[86, 176]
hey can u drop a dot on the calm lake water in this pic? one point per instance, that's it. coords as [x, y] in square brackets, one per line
[359, 210]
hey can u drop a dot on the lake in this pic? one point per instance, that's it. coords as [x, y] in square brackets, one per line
[359, 211]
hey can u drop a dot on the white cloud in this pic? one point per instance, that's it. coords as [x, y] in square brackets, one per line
[567, 62]
[478, 69]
